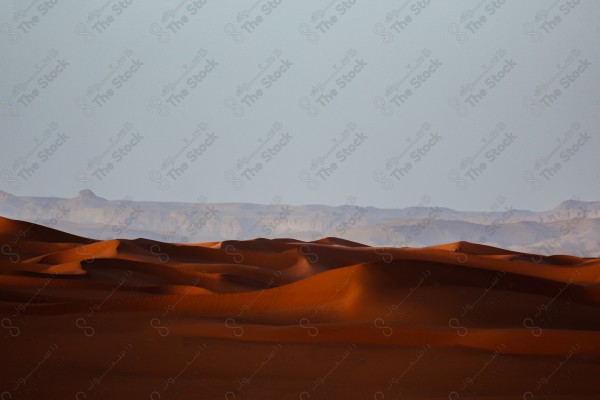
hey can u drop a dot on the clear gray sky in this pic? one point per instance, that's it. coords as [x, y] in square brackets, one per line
[313, 101]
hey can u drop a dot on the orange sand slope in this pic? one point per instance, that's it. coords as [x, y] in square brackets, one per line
[328, 292]
[378, 295]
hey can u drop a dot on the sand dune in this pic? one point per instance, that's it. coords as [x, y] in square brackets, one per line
[268, 318]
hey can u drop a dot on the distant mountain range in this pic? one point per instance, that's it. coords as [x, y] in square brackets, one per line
[573, 227]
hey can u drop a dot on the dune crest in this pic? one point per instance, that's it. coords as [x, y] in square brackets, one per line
[327, 292]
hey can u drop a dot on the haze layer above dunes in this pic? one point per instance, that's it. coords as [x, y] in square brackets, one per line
[573, 227]
[271, 318]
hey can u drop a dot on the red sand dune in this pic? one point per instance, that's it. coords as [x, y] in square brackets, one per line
[261, 319]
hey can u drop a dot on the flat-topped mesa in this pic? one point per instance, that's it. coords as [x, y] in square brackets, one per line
[87, 194]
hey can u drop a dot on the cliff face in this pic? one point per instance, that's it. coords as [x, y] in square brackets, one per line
[573, 227]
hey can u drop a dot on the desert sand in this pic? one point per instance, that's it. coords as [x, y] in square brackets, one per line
[287, 319]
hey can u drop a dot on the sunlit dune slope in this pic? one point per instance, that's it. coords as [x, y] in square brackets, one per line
[291, 285]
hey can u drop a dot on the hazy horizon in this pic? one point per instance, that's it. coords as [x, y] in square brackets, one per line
[280, 202]
[491, 207]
